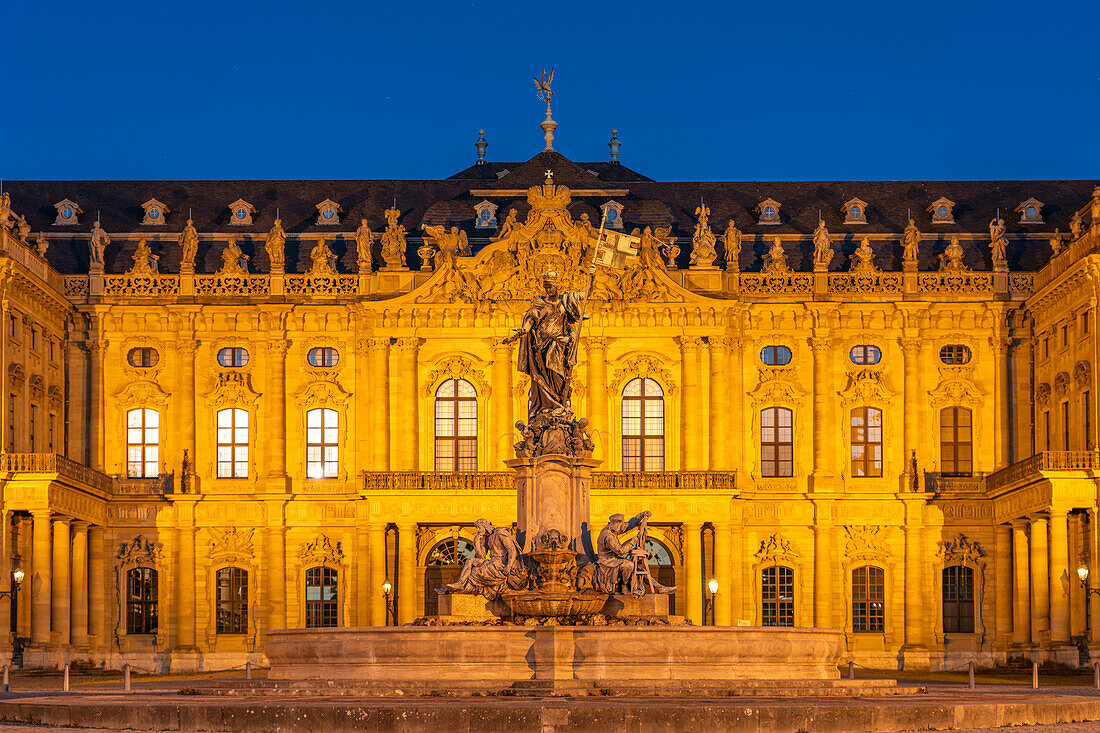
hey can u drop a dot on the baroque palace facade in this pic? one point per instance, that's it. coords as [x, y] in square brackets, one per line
[231, 406]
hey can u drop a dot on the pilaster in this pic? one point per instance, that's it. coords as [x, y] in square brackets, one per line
[825, 425]
[78, 620]
[408, 443]
[1040, 580]
[597, 396]
[407, 589]
[379, 407]
[719, 403]
[1021, 585]
[61, 600]
[41, 579]
[692, 417]
[693, 565]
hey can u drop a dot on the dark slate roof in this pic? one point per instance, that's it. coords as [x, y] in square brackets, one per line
[647, 203]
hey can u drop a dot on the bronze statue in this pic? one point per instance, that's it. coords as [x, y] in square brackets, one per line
[495, 566]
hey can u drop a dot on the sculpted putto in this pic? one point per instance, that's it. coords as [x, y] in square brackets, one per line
[495, 566]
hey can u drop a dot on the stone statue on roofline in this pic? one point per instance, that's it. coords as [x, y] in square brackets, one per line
[97, 245]
[951, 260]
[189, 246]
[823, 247]
[234, 261]
[998, 244]
[5, 209]
[775, 259]
[364, 241]
[145, 262]
[863, 259]
[731, 241]
[507, 227]
[910, 243]
[22, 227]
[276, 245]
[1056, 243]
[322, 259]
[393, 241]
[41, 245]
[703, 251]
[1076, 225]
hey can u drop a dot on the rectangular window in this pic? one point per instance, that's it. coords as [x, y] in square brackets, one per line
[777, 596]
[11, 423]
[868, 599]
[141, 601]
[322, 609]
[1065, 335]
[232, 601]
[1065, 426]
[1087, 404]
[1046, 429]
[958, 600]
[1046, 348]
[956, 442]
[322, 443]
[866, 442]
[32, 419]
[233, 443]
[776, 442]
[52, 419]
[142, 443]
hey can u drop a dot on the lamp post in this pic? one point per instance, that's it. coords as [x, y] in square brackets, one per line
[17, 576]
[708, 602]
[391, 612]
[1083, 575]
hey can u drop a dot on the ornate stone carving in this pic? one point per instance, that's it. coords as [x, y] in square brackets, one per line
[866, 386]
[36, 388]
[910, 244]
[778, 386]
[550, 434]
[998, 244]
[231, 545]
[1042, 395]
[17, 377]
[1082, 375]
[141, 393]
[703, 241]
[189, 247]
[865, 544]
[321, 551]
[364, 242]
[951, 259]
[145, 262]
[456, 367]
[322, 393]
[141, 551]
[232, 389]
[97, 245]
[234, 261]
[863, 259]
[322, 260]
[1061, 384]
[393, 241]
[644, 366]
[956, 387]
[775, 260]
[776, 549]
[961, 550]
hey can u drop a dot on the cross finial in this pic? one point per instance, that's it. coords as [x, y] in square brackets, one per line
[549, 176]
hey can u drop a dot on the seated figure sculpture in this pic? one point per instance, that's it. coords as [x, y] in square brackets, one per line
[617, 564]
[495, 566]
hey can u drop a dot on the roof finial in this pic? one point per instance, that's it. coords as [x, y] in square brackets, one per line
[481, 145]
[614, 145]
[544, 93]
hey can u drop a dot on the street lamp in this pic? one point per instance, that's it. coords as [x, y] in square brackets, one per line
[391, 613]
[17, 576]
[708, 603]
[1083, 575]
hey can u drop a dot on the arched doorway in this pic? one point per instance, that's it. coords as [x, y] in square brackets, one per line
[442, 566]
[662, 567]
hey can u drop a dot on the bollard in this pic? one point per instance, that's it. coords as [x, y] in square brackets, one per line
[1035, 675]
[248, 670]
[851, 670]
[6, 687]
[66, 677]
[971, 675]
[1096, 675]
[126, 677]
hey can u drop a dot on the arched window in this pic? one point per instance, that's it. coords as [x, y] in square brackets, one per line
[456, 426]
[868, 599]
[661, 567]
[141, 601]
[233, 443]
[776, 442]
[322, 443]
[443, 565]
[643, 426]
[231, 601]
[142, 443]
[322, 605]
[866, 442]
[777, 596]
[956, 442]
[958, 600]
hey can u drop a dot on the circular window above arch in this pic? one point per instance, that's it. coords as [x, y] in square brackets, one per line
[143, 356]
[323, 356]
[233, 356]
[955, 354]
[776, 355]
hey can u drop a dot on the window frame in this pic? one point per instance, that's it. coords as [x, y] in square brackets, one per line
[956, 354]
[324, 361]
[953, 466]
[869, 464]
[960, 619]
[322, 612]
[239, 357]
[233, 445]
[770, 355]
[451, 429]
[146, 444]
[865, 351]
[637, 455]
[777, 609]
[868, 599]
[328, 463]
[231, 614]
[772, 467]
[142, 608]
[147, 357]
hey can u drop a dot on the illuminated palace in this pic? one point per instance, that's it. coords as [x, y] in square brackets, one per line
[235, 406]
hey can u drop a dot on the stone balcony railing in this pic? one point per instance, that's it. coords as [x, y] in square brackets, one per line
[156, 485]
[1054, 460]
[601, 480]
[56, 464]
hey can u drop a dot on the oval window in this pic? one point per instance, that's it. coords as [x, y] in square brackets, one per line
[855, 212]
[323, 356]
[233, 357]
[775, 355]
[864, 354]
[955, 354]
[942, 212]
[143, 356]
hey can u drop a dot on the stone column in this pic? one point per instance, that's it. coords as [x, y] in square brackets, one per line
[723, 608]
[825, 425]
[598, 397]
[1021, 587]
[276, 568]
[363, 566]
[406, 569]
[185, 577]
[1040, 581]
[912, 409]
[6, 551]
[737, 438]
[78, 399]
[362, 409]
[78, 621]
[187, 394]
[1003, 437]
[823, 567]
[691, 410]
[61, 600]
[97, 350]
[380, 404]
[1002, 559]
[42, 579]
[97, 587]
[377, 541]
[719, 403]
[1094, 580]
[693, 566]
[275, 418]
[500, 427]
[1060, 577]
[915, 590]
[407, 457]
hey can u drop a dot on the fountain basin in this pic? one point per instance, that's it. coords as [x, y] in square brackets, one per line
[557, 604]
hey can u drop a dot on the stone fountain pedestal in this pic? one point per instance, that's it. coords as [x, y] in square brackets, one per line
[552, 492]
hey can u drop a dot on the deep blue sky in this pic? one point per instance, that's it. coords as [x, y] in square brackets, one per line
[729, 91]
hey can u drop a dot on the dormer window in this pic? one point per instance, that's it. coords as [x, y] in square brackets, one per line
[942, 211]
[612, 211]
[485, 215]
[1031, 211]
[768, 209]
[240, 213]
[67, 213]
[155, 213]
[328, 212]
[855, 212]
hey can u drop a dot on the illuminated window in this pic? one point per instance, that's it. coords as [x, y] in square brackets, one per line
[865, 355]
[776, 442]
[142, 443]
[231, 601]
[456, 426]
[868, 599]
[322, 443]
[322, 608]
[866, 442]
[777, 596]
[233, 357]
[775, 355]
[323, 356]
[233, 443]
[643, 426]
[956, 442]
[955, 354]
[141, 601]
[143, 356]
[958, 600]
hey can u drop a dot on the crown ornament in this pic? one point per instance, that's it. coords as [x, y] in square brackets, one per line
[548, 197]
